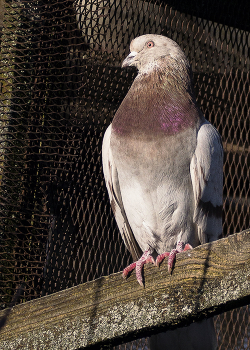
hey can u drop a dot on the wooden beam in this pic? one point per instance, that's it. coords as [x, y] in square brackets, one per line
[209, 279]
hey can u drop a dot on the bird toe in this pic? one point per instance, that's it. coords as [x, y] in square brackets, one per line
[138, 266]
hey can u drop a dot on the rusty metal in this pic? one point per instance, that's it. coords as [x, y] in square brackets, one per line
[61, 83]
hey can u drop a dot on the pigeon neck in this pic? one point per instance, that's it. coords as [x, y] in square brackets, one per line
[156, 104]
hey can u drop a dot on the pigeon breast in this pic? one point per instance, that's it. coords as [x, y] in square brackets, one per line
[148, 140]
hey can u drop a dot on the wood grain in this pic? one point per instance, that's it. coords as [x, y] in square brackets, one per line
[209, 279]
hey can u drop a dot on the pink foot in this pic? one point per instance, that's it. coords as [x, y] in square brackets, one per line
[160, 258]
[171, 256]
[138, 265]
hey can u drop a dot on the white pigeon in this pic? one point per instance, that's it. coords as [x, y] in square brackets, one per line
[163, 167]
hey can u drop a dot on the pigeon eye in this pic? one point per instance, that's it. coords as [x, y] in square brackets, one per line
[150, 44]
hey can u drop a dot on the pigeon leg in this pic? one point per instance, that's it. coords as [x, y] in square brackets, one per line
[138, 265]
[171, 256]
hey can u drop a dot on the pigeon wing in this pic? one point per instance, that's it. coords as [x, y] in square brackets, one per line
[112, 184]
[207, 179]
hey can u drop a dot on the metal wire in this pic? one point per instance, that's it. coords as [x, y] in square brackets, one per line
[61, 83]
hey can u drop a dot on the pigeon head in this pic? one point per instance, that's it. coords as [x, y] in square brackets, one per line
[151, 51]
[161, 99]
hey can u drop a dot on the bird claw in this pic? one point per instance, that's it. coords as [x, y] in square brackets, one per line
[147, 258]
[172, 255]
[128, 269]
[160, 258]
[138, 266]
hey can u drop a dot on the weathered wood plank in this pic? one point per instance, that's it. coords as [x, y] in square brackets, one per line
[211, 278]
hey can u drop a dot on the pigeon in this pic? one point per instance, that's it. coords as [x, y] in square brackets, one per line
[162, 161]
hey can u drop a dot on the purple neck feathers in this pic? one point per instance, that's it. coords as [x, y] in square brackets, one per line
[156, 104]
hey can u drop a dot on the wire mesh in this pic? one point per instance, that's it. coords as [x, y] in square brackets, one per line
[61, 83]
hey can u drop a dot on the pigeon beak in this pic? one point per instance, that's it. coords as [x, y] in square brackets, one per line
[129, 60]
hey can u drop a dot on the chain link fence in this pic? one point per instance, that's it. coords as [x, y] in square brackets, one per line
[61, 83]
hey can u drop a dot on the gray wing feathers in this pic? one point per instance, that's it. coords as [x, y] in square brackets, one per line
[112, 184]
[207, 179]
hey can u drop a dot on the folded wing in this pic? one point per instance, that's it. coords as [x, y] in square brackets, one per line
[112, 183]
[207, 179]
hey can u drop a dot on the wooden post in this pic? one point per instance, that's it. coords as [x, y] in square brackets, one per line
[207, 280]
